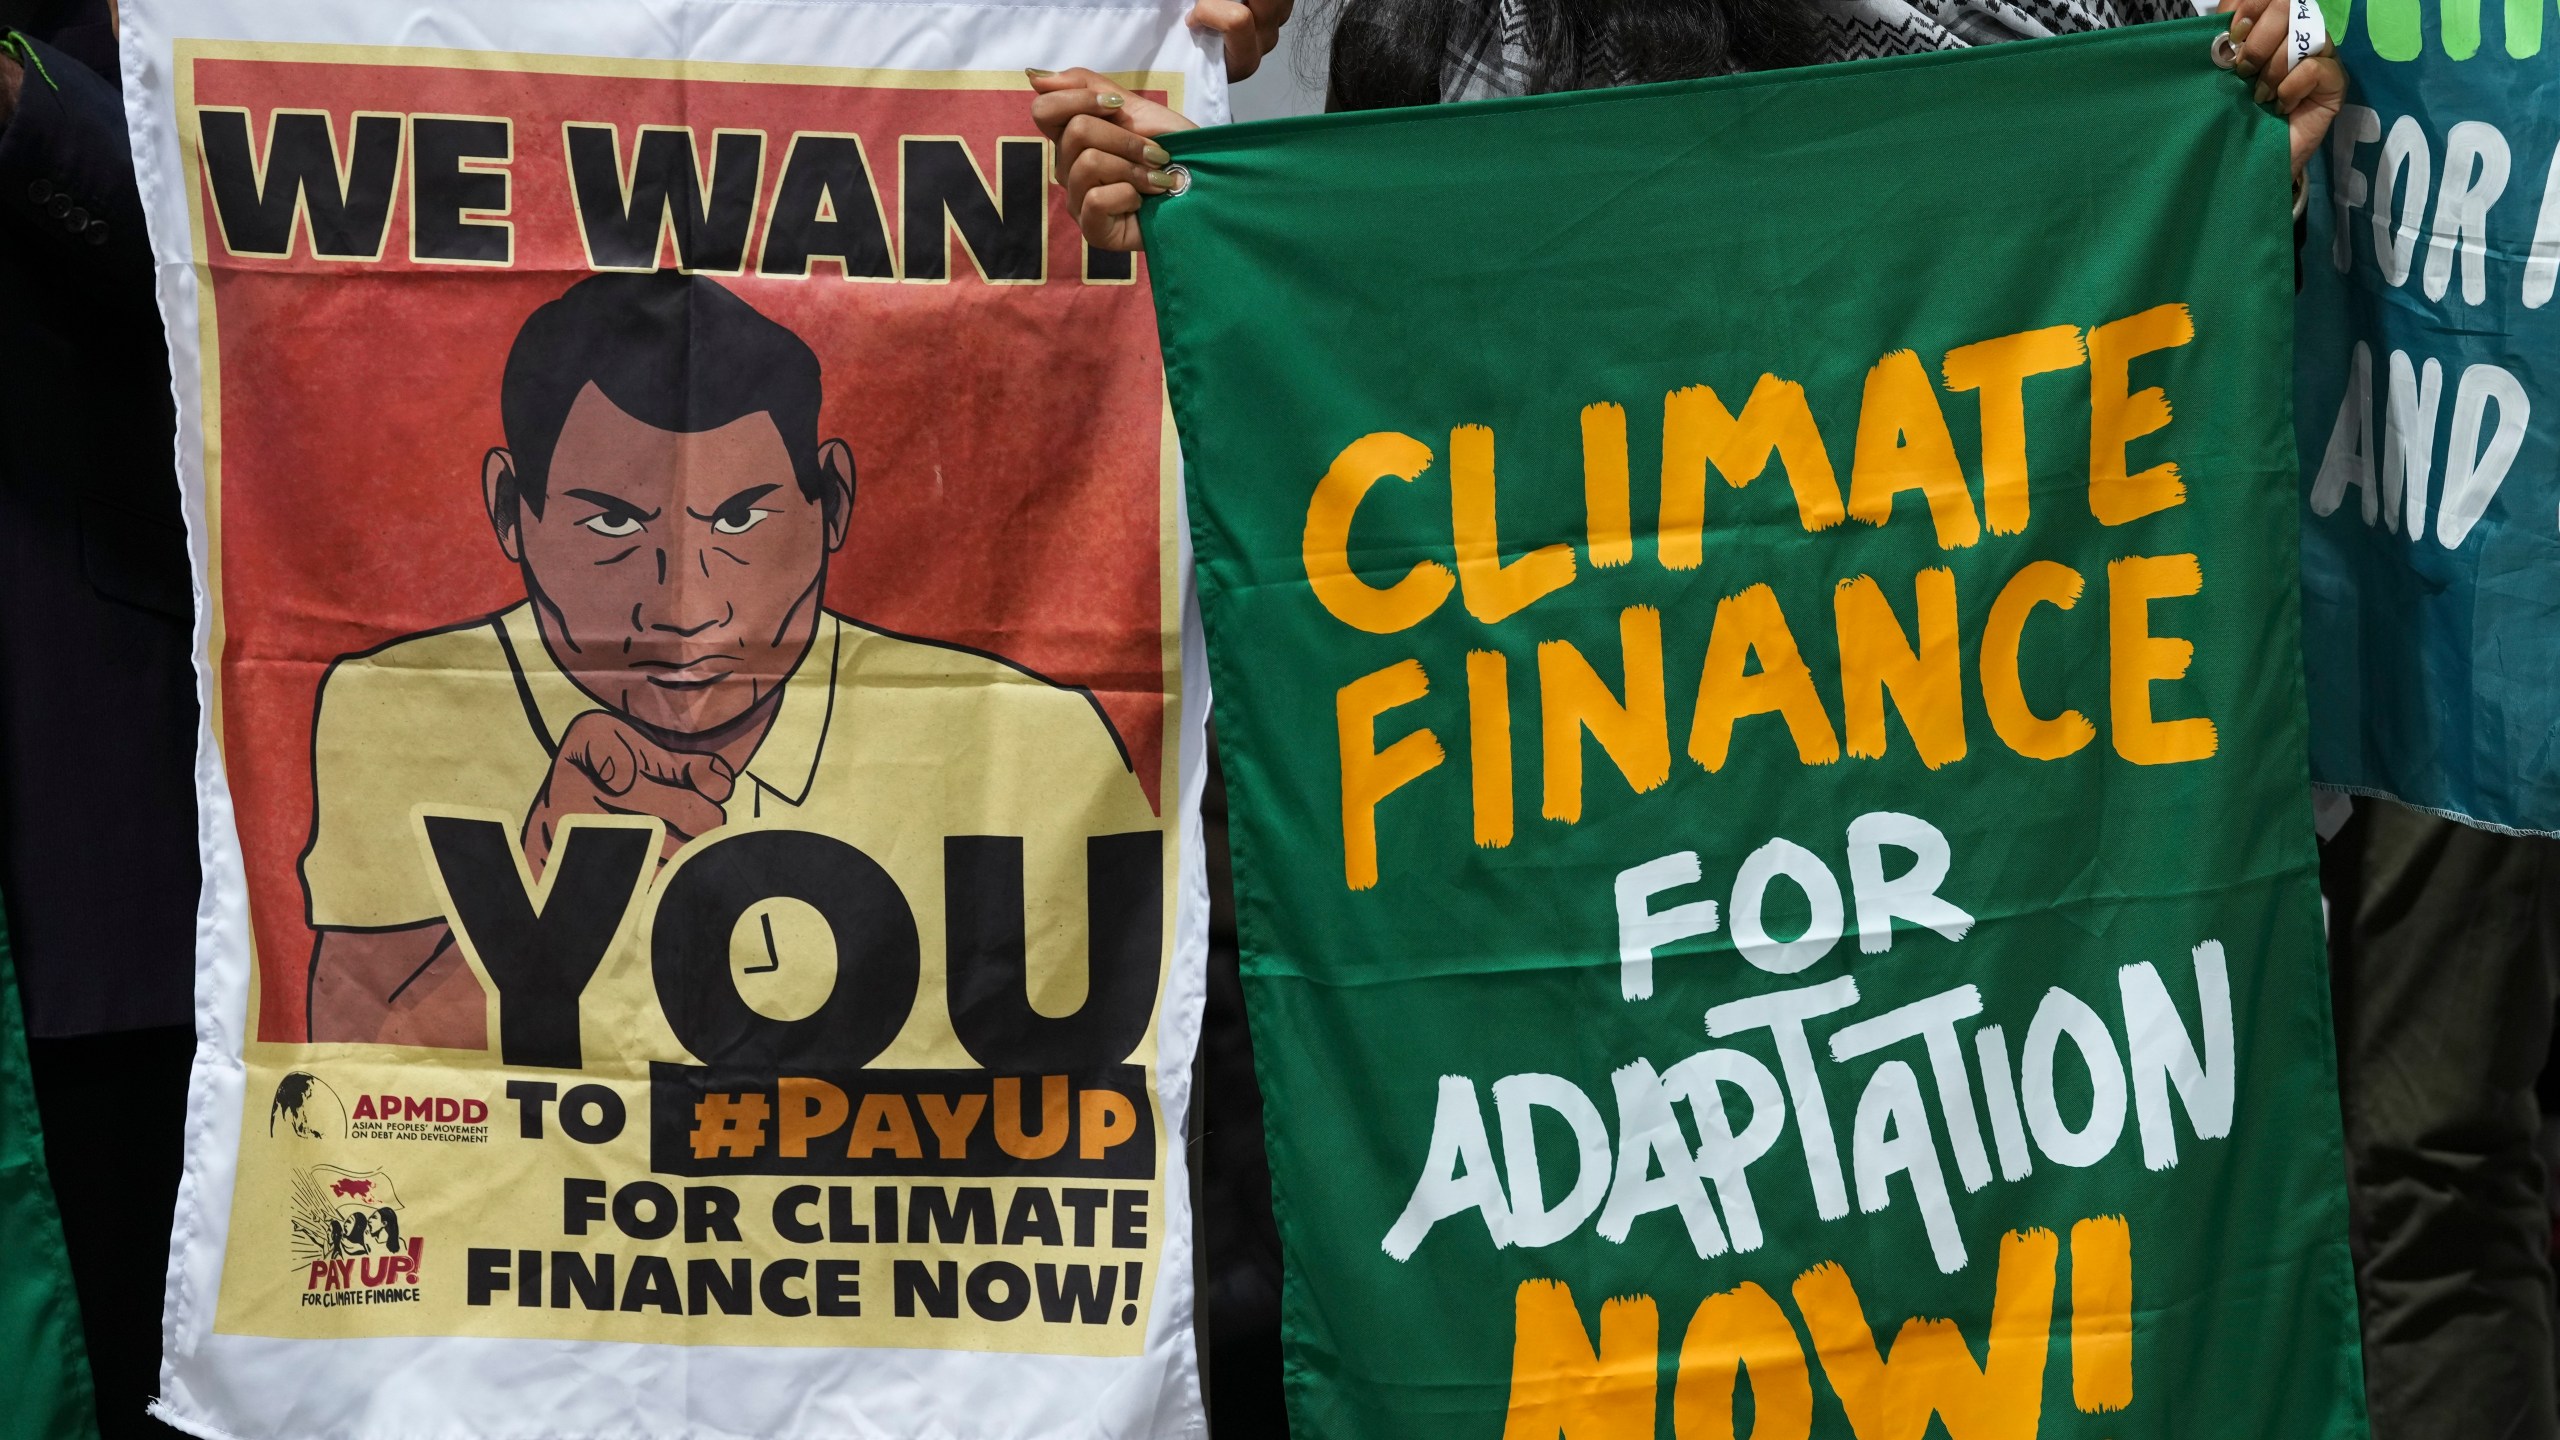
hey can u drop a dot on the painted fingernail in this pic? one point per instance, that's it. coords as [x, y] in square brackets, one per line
[2246, 67]
[1161, 179]
[1112, 102]
[2241, 27]
[1037, 74]
[1157, 155]
[721, 768]
[2265, 92]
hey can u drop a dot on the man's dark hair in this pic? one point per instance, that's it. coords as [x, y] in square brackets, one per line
[676, 351]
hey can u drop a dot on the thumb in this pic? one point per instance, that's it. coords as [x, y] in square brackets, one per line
[706, 775]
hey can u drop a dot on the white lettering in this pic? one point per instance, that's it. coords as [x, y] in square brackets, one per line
[1643, 930]
[2409, 440]
[1891, 1136]
[1457, 1139]
[1751, 889]
[2064, 1013]
[1932, 1021]
[1649, 1136]
[2473, 471]
[1783, 1015]
[1515, 1097]
[2475, 175]
[1912, 895]
[2162, 1056]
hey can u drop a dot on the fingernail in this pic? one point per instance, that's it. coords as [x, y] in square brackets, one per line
[1157, 155]
[2265, 92]
[2241, 27]
[2248, 68]
[1037, 74]
[1161, 179]
[721, 768]
[1112, 102]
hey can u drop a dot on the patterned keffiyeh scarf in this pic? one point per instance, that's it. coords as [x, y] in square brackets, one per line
[1489, 55]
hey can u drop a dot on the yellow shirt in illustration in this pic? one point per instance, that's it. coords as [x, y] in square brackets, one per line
[886, 743]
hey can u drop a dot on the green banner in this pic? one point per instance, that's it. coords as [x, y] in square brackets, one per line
[1756, 651]
[44, 1381]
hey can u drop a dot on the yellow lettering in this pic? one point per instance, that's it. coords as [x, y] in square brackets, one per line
[1698, 431]
[2119, 415]
[1494, 591]
[1369, 774]
[1607, 523]
[884, 1124]
[1010, 1135]
[1573, 698]
[1326, 544]
[1751, 624]
[951, 1121]
[1999, 369]
[810, 1108]
[1931, 1370]
[2102, 1314]
[1561, 1386]
[2004, 696]
[1903, 444]
[1104, 1118]
[1875, 656]
[2136, 658]
[1489, 744]
[1741, 1331]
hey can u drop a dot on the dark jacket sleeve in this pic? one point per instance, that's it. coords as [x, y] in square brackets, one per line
[66, 175]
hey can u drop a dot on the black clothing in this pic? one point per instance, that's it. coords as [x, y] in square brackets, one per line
[2444, 953]
[97, 693]
[1239, 1239]
[114, 1111]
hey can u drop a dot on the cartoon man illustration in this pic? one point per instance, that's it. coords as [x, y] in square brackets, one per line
[665, 495]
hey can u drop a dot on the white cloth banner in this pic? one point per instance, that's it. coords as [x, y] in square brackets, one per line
[704, 908]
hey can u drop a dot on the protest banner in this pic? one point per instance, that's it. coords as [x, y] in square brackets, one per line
[2429, 352]
[46, 1389]
[699, 790]
[1755, 635]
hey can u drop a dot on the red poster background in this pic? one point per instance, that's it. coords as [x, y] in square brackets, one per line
[1007, 438]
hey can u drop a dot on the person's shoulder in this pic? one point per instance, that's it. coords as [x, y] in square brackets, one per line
[1005, 692]
[869, 652]
[475, 642]
[423, 668]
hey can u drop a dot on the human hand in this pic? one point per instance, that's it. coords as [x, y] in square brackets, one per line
[2307, 94]
[1250, 29]
[1107, 155]
[607, 767]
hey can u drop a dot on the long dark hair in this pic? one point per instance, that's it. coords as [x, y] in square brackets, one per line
[1388, 53]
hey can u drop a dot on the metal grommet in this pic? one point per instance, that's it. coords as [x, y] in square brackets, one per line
[2226, 51]
[1181, 177]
